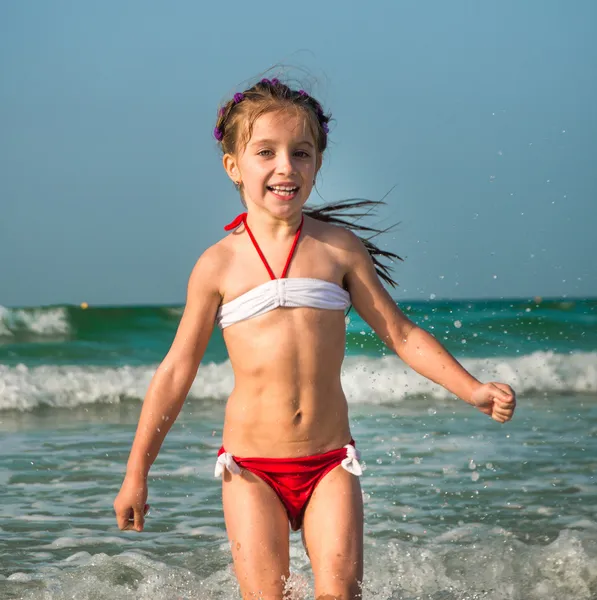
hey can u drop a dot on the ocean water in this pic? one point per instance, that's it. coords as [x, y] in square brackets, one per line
[456, 506]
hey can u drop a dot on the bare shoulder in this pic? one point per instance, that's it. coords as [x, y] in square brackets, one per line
[210, 268]
[349, 251]
[343, 242]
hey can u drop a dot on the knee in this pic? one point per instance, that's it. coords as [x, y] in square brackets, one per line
[264, 589]
[346, 591]
[339, 586]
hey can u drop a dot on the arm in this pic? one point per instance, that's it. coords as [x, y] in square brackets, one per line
[169, 387]
[415, 346]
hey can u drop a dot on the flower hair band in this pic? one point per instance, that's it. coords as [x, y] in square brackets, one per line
[239, 96]
[218, 133]
[320, 114]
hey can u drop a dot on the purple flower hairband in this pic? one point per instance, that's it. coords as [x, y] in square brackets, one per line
[218, 133]
[239, 96]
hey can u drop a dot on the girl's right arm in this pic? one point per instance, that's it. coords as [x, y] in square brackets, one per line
[170, 386]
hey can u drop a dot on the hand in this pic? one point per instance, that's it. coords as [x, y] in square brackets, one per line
[130, 504]
[497, 400]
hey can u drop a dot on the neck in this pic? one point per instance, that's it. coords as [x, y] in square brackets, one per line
[263, 223]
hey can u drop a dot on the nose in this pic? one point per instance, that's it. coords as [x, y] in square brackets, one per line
[285, 164]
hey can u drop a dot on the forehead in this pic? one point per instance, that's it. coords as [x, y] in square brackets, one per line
[283, 125]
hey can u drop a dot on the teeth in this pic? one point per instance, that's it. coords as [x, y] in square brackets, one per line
[280, 188]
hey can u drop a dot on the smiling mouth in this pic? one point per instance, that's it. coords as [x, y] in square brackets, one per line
[283, 190]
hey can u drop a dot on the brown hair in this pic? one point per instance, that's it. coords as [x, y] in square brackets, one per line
[237, 117]
[234, 127]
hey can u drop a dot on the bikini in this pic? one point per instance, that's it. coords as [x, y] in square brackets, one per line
[290, 293]
[293, 479]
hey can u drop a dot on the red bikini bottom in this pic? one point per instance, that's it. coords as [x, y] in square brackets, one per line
[293, 479]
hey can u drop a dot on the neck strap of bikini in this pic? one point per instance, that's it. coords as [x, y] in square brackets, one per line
[242, 219]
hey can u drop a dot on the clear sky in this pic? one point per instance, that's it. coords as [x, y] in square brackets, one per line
[480, 114]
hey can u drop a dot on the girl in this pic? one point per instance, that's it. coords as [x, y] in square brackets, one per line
[278, 286]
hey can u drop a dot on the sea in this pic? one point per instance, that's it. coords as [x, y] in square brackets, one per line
[457, 506]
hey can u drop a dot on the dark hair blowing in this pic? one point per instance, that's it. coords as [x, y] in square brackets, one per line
[234, 127]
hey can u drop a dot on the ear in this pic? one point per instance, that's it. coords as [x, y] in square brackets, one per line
[231, 168]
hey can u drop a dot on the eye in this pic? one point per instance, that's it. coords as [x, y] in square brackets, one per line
[302, 154]
[264, 153]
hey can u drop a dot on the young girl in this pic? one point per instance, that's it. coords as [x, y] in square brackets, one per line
[278, 285]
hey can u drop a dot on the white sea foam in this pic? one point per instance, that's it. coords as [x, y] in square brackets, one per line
[38, 321]
[494, 568]
[4, 330]
[365, 380]
[74, 542]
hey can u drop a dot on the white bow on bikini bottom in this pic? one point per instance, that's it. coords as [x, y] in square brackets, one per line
[350, 463]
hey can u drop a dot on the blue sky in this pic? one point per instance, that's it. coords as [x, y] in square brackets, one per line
[480, 116]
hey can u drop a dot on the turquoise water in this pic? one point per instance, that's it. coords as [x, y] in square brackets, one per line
[457, 506]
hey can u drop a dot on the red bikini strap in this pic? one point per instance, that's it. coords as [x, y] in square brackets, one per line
[297, 235]
[242, 218]
[261, 255]
[234, 224]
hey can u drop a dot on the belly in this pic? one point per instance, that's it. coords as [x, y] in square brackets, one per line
[287, 399]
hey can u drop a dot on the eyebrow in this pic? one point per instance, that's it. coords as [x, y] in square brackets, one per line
[273, 142]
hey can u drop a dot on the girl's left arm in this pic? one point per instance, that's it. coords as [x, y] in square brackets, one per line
[415, 346]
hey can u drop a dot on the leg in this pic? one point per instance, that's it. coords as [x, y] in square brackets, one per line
[333, 536]
[258, 531]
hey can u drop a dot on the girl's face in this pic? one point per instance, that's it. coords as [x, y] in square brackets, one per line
[277, 168]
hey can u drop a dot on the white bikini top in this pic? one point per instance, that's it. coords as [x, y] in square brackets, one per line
[291, 293]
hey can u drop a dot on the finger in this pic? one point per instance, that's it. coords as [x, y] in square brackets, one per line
[123, 520]
[498, 403]
[510, 393]
[503, 392]
[502, 412]
[139, 520]
[502, 407]
[146, 511]
[502, 418]
[505, 413]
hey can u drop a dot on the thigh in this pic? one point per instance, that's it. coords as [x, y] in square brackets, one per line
[258, 530]
[333, 535]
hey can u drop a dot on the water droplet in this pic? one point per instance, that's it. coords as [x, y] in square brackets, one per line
[458, 324]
